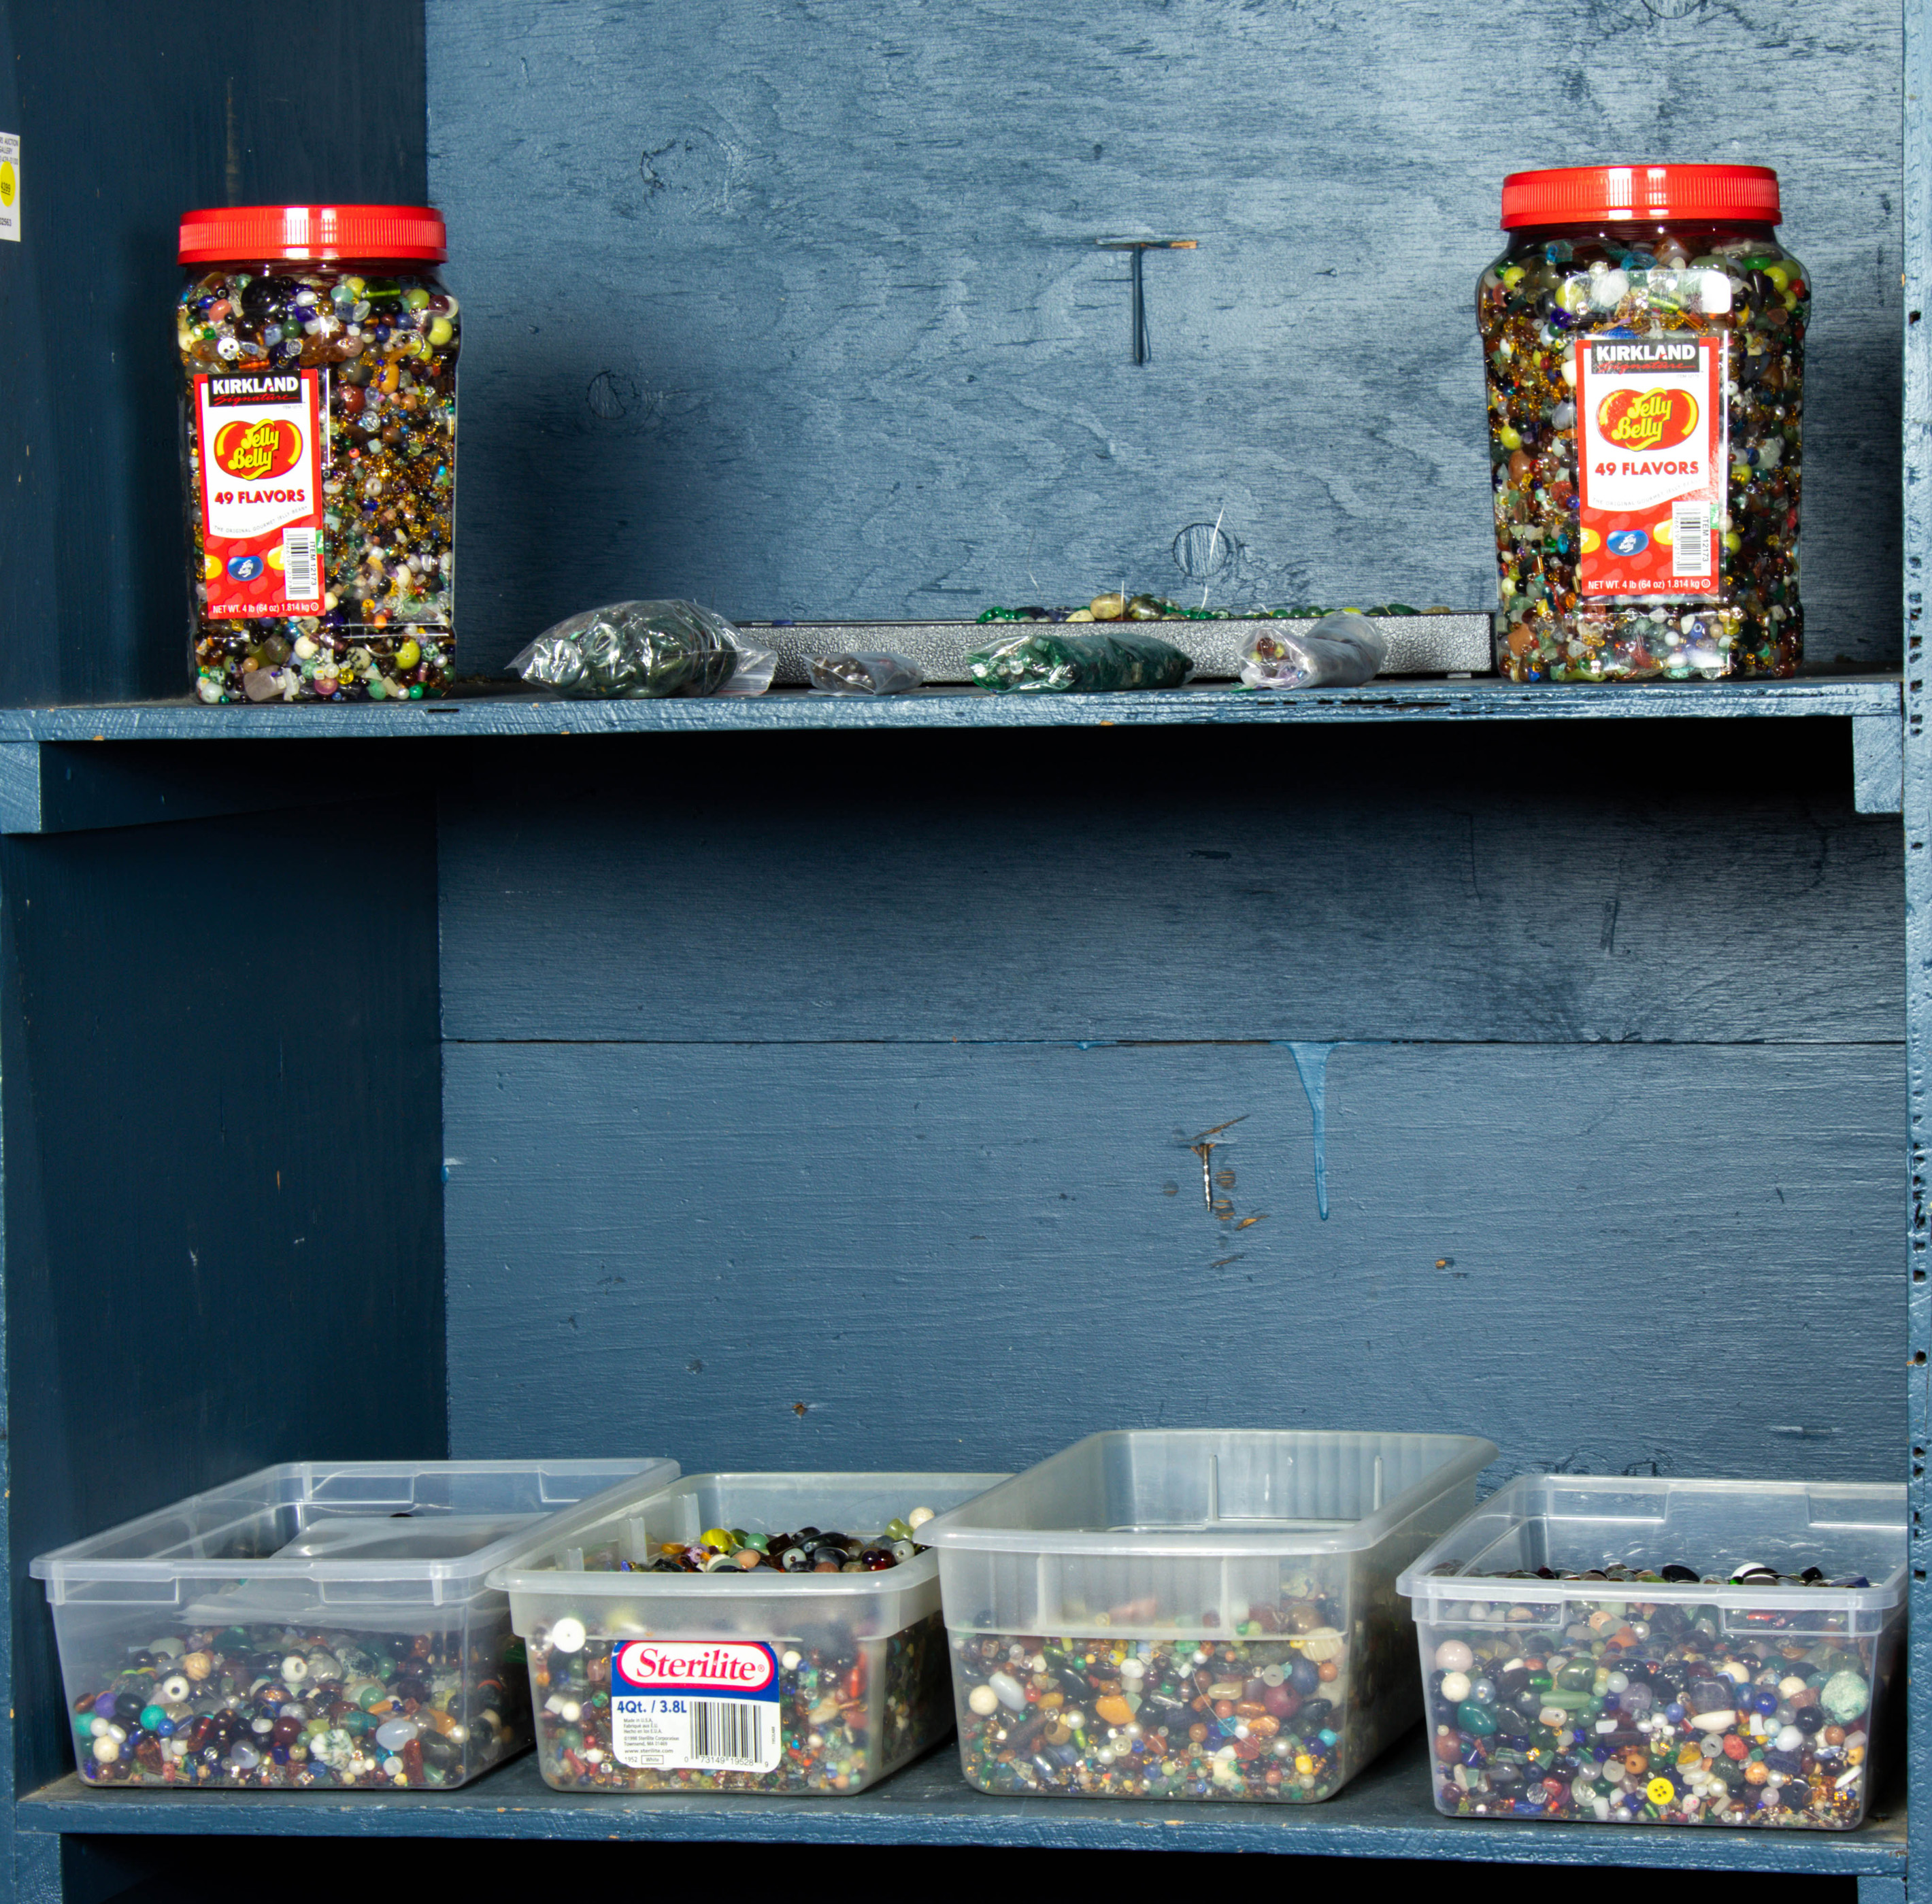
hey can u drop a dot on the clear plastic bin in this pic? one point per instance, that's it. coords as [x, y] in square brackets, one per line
[762, 1681]
[1687, 1700]
[312, 1624]
[1158, 1614]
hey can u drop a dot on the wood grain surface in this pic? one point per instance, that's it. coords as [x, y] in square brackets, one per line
[1604, 1258]
[488, 712]
[1464, 884]
[1385, 1811]
[798, 310]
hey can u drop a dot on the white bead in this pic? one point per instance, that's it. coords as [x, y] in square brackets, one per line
[1790, 1740]
[1456, 1687]
[107, 1751]
[984, 1701]
[567, 1636]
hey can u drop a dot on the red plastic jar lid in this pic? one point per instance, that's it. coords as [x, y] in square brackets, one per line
[1641, 194]
[238, 233]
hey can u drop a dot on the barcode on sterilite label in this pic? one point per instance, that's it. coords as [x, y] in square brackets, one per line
[724, 1734]
[298, 563]
[1691, 538]
[702, 1706]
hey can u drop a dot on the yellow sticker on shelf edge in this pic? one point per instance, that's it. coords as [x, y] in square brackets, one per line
[9, 186]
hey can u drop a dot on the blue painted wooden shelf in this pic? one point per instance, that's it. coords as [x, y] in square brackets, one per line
[1385, 1813]
[829, 1107]
[792, 709]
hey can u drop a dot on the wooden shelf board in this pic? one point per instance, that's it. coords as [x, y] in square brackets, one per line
[1387, 1812]
[491, 714]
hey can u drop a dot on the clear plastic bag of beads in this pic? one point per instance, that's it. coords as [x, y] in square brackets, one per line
[881, 672]
[1341, 650]
[645, 651]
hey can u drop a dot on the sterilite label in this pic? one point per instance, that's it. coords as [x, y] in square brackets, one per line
[1653, 461]
[710, 1706]
[261, 491]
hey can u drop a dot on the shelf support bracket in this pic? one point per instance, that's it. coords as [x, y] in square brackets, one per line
[1878, 764]
[49, 786]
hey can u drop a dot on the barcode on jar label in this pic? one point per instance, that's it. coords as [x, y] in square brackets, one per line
[704, 1707]
[298, 563]
[1690, 539]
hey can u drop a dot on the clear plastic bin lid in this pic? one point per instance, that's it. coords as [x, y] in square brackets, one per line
[1191, 1491]
[1852, 1533]
[280, 1530]
[605, 1548]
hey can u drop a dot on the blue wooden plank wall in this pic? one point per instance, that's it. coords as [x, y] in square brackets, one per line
[797, 308]
[812, 1110]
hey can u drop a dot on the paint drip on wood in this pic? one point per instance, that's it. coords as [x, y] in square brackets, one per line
[1311, 1061]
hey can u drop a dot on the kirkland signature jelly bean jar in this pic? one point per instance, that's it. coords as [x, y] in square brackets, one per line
[318, 354]
[1644, 334]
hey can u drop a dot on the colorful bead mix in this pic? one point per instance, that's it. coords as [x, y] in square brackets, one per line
[1114, 607]
[1638, 1711]
[281, 1706]
[849, 1711]
[721, 1550]
[1284, 1710]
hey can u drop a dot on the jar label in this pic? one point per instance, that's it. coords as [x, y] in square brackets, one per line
[1653, 465]
[261, 491]
[709, 1706]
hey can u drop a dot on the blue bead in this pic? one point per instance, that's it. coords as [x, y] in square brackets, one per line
[1674, 1712]
[104, 1706]
[164, 1728]
[1767, 1700]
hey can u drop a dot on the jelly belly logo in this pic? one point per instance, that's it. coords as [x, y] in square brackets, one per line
[257, 451]
[1648, 419]
[743, 1671]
